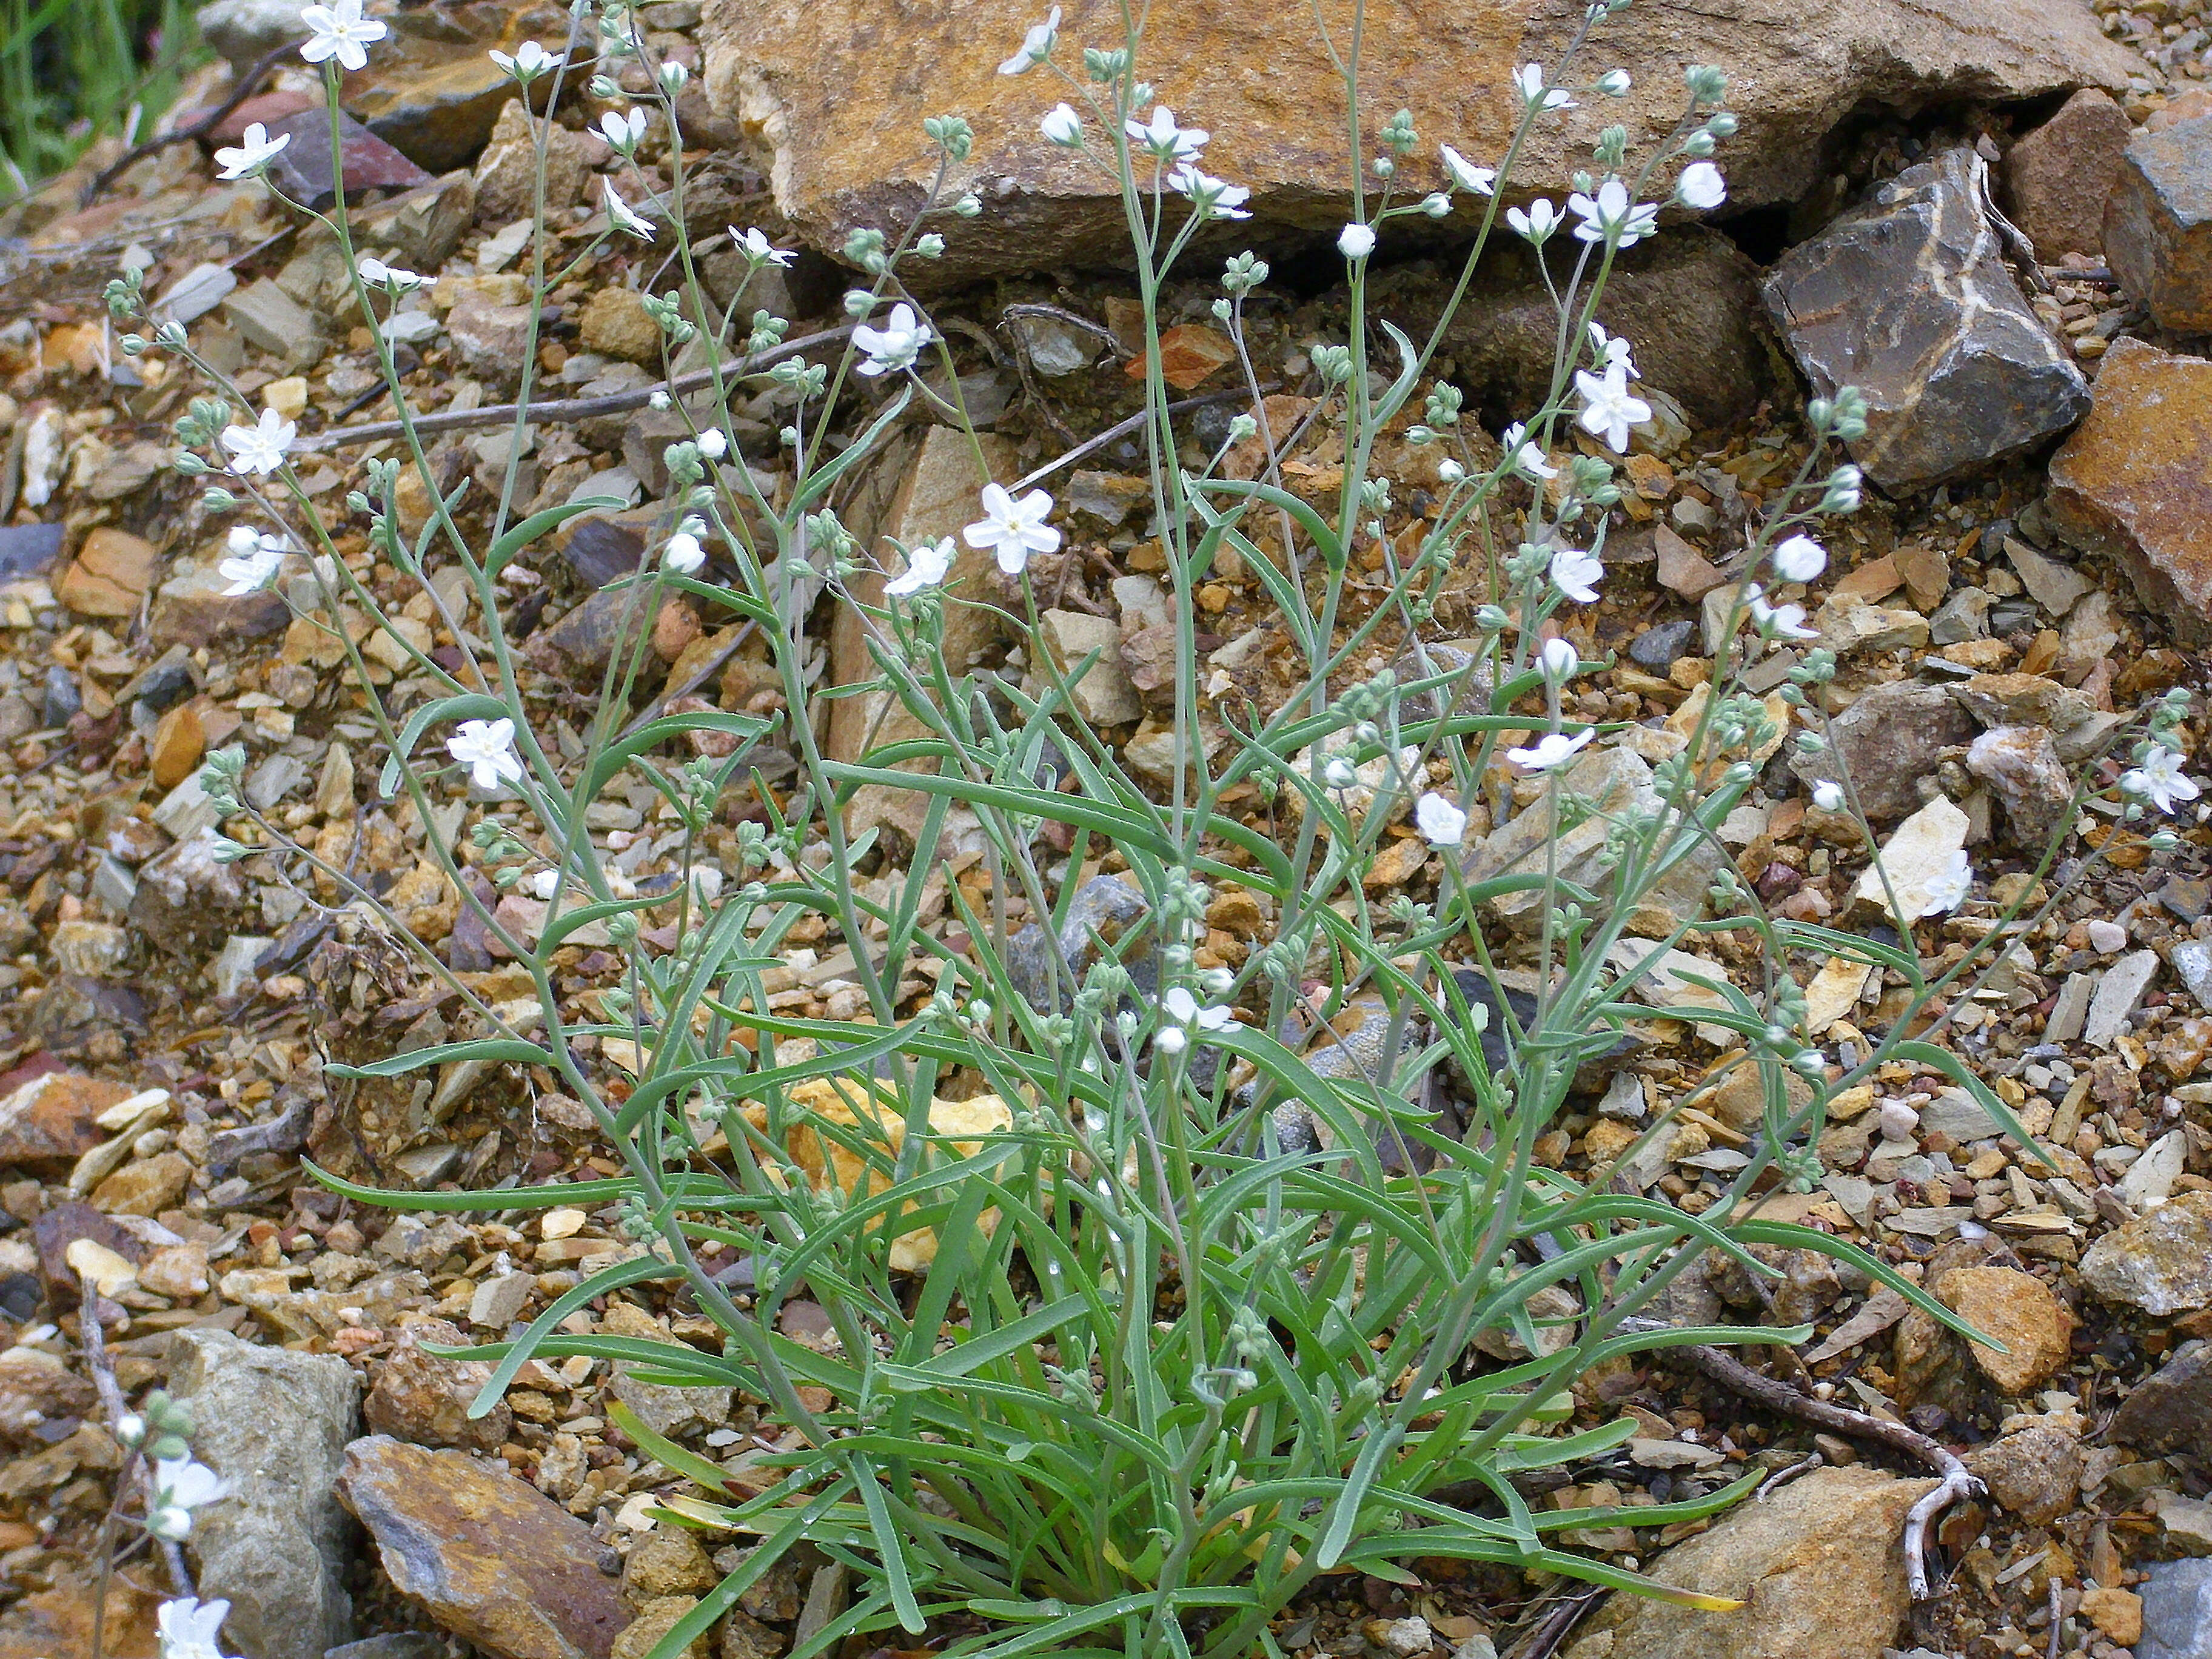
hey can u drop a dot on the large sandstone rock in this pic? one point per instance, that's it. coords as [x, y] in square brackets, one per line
[2057, 178]
[834, 93]
[1906, 298]
[274, 1424]
[1817, 1566]
[2161, 1263]
[2134, 481]
[2170, 1411]
[2158, 224]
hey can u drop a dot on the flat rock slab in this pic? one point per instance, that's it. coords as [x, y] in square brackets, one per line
[845, 150]
[1906, 298]
[490, 1558]
[2134, 481]
[1818, 1567]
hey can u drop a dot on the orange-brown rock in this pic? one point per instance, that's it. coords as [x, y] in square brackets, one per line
[2134, 481]
[490, 1557]
[46, 1124]
[846, 150]
[2057, 178]
[2020, 1311]
[110, 574]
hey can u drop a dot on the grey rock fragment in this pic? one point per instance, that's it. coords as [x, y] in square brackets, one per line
[1105, 908]
[2176, 1607]
[1906, 297]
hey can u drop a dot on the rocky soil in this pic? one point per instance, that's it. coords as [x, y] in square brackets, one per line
[2033, 567]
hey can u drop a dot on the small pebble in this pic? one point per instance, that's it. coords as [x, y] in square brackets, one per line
[2107, 937]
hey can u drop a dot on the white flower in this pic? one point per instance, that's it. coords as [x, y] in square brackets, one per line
[1062, 126]
[713, 443]
[529, 61]
[1036, 45]
[1947, 889]
[255, 560]
[189, 1628]
[925, 566]
[1356, 241]
[1800, 559]
[1614, 83]
[624, 132]
[543, 884]
[758, 249]
[261, 447]
[1609, 408]
[181, 1485]
[1611, 349]
[1829, 795]
[254, 152]
[623, 219]
[1441, 823]
[487, 749]
[1576, 573]
[1559, 658]
[1613, 213]
[1164, 138]
[1780, 622]
[1012, 529]
[895, 345]
[2158, 780]
[1701, 186]
[1180, 1006]
[1465, 174]
[683, 555]
[374, 273]
[339, 31]
[1527, 459]
[1212, 196]
[1552, 749]
[1528, 81]
[1537, 222]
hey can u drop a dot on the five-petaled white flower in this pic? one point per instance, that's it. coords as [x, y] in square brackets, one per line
[1356, 241]
[1552, 749]
[487, 749]
[259, 448]
[1062, 126]
[1165, 140]
[374, 273]
[1012, 529]
[1947, 890]
[925, 566]
[1189, 1014]
[623, 218]
[622, 132]
[1528, 458]
[758, 249]
[528, 61]
[1613, 213]
[181, 1485]
[1441, 823]
[255, 559]
[1465, 175]
[1036, 45]
[1609, 408]
[338, 30]
[2159, 781]
[1777, 622]
[1829, 795]
[189, 1629]
[1611, 349]
[1212, 197]
[683, 555]
[1537, 222]
[1576, 573]
[1559, 658]
[895, 345]
[1800, 559]
[1701, 186]
[1528, 81]
[255, 151]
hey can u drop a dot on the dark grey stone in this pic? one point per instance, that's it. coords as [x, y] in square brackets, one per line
[2177, 1608]
[2170, 1410]
[2158, 224]
[63, 700]
[1906, 298]
[28, 549]
[1659, 648]
[1106, 907]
